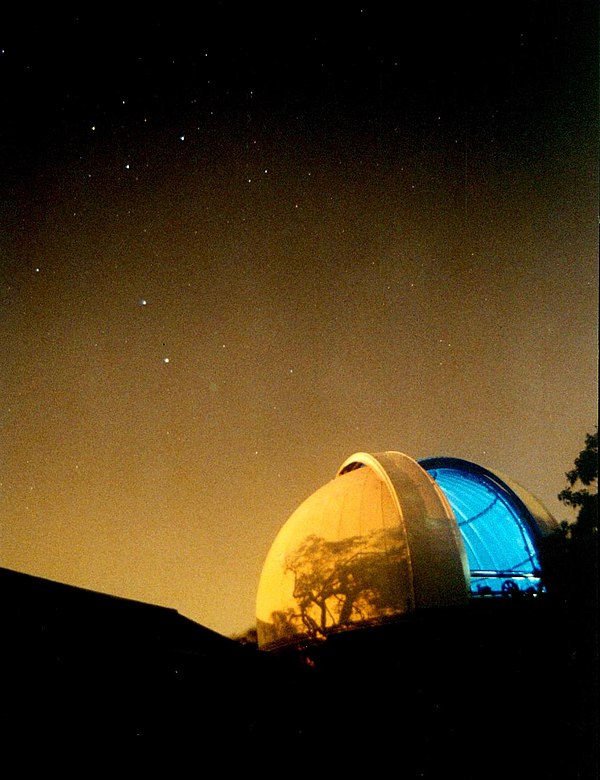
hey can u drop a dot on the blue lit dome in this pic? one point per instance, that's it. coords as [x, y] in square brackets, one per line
[501, 524]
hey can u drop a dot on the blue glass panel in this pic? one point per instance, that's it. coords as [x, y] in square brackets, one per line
[501, 554]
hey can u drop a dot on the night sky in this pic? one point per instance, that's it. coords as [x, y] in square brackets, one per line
[240, 244]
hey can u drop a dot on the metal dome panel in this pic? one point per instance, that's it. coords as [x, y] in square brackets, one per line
[378, 541]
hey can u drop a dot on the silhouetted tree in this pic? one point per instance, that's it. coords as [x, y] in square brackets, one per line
[584, 499]
[247, 637]
[570, 555]
[570, 565]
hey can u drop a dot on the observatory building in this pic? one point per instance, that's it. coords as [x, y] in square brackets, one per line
[389, 536]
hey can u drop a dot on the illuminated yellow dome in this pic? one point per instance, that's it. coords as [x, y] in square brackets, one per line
[378, 541]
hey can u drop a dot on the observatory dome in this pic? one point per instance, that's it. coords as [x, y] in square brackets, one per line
[501, 524]
[376, 542]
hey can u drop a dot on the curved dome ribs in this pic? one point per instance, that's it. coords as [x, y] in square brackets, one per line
[500, 531]
[483, 512]
[478, 548]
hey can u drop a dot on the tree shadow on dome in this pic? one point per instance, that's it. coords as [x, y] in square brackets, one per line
[340, 583]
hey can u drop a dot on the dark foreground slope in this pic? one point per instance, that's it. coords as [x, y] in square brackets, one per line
[503, 688]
